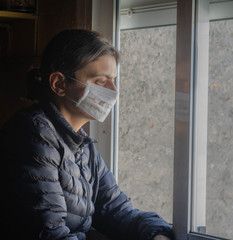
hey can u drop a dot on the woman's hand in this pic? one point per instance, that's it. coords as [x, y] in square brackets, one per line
[160, 237]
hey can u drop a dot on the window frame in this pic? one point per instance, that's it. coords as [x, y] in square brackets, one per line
[105, 19]
[190, 157]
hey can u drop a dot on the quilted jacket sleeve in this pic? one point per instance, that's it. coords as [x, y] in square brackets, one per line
[115, 216]
[35, 207]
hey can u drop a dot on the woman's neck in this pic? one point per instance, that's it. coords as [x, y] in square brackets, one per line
[76, 118]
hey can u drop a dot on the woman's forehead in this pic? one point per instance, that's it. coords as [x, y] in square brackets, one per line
[103, 67]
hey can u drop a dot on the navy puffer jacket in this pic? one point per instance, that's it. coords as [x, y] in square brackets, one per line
[55, 185]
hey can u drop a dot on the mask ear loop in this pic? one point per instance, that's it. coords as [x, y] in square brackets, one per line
[76, 80]
[86, 91]
[72, 100]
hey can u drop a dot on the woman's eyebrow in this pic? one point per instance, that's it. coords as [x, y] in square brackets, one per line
[104, 75]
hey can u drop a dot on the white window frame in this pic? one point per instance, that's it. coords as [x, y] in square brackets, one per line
[105, 19]
[148, 16]
[190, 101]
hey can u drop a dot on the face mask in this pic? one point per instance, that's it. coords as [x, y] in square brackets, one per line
[96, 101]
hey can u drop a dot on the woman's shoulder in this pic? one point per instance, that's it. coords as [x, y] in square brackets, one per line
[31, 121]
[30, 133]
[26, 118]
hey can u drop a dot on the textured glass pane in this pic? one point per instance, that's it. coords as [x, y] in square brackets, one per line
[220, 131]
[146, 126]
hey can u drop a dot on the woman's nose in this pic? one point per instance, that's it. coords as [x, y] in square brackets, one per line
[111, 85]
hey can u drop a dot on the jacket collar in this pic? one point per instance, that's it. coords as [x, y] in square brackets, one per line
[74, 140]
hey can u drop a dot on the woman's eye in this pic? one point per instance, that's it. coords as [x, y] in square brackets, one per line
[100, 82]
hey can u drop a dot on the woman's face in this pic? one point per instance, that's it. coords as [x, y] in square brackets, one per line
[101, 72]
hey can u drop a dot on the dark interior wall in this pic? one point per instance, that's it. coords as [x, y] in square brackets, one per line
[23, 36]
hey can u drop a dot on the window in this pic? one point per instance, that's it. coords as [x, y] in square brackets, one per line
[203, 132]
[203, 158]
[219, 193]
[217, 161]
[146, 109]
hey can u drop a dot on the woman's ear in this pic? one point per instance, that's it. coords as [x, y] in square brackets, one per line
[58, 83]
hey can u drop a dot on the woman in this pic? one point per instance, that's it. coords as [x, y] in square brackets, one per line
[55, 183]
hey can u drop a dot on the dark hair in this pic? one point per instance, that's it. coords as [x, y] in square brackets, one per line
[33, 81]
[69, 51]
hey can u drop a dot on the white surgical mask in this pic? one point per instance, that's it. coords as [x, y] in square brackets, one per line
[96, 101]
